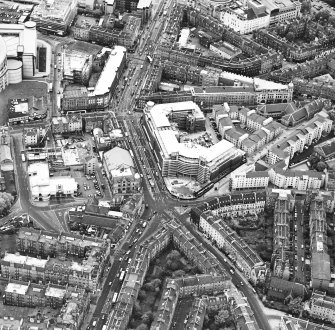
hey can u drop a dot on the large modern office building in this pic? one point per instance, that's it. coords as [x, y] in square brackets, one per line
[3, 65]
[98, 98]
[19, 44]
[186, 159]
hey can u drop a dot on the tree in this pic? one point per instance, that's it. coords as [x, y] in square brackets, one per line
[306, 7]
[290, 36]
[174, 255]
[172, 264]
[178, 273]
[142, 295]
[221, 316]
[331, 20]
[147, 318]
[321, 166]
[322, 15]
[142, 326]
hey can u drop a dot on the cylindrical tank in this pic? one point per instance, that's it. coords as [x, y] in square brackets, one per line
[14, 68]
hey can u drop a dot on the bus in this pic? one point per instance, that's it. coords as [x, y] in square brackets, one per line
[115, 295]
[149, 58]
[123, 273]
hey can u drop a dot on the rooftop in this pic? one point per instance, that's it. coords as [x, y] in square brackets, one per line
[110, 70]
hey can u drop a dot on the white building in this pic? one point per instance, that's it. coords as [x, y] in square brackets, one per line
[283, 10]
[185, 158]
[247, 260]
[300, 180]
[322, 307]
[250, 180]
[42, 186]
[21, 41]
[120, 170]
[245, 19]
[302, 137]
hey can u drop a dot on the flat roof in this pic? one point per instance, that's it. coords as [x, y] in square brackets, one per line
[108, 74]
[21, 289]
[25, 260]
[168, 137]
[144, 4]
[52, 291]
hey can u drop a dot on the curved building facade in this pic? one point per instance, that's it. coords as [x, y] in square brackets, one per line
[3, 65]
[14, 69]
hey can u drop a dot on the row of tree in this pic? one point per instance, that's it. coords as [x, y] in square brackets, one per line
[6, 201]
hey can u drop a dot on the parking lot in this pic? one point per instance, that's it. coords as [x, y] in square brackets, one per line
[89, 185]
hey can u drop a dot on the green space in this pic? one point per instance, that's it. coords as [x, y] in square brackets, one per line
[170, 264]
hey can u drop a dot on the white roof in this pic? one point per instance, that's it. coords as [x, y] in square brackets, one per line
[25, 260]
[160, 119]
[266, 84]
[108, 74]
[39, 174]
[184, 34]
[17, 288]
[55, 292]
[168, 137]
[68, 185]
[143, 4]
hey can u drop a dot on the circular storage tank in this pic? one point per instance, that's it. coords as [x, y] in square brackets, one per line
[14, 68]
[30, 25]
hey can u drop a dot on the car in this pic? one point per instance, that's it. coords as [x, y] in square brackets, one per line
[120, 259]
[103, 316]
[127, 253]
[241, 283]
[232, 270]
[237, 286]
[110, 283]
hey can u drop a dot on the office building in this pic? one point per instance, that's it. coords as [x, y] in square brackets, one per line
[98, 98]
[20, 45]
[185, 158]
[54, 16]
[43, 186]
[283, 10]
[249, 180]
[120, 169]
[3, 65]
[300, 180]
[246, 19]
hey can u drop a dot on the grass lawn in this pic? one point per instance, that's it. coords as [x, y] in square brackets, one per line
[22, 90]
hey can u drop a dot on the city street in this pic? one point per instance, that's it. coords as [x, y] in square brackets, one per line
[161, 206]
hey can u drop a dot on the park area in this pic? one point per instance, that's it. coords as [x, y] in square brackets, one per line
[169, 264]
